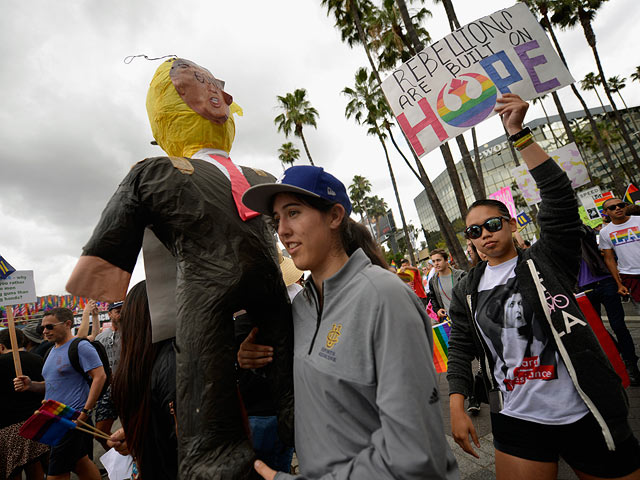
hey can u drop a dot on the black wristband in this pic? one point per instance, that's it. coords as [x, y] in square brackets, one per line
[85, 411]
[520, 134]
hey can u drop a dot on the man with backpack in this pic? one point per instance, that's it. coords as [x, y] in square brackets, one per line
[74, 375]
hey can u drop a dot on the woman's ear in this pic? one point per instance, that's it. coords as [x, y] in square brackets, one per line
[336, 215]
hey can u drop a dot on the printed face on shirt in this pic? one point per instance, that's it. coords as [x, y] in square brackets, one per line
[491, 244]
[201, 91]
[309, 235]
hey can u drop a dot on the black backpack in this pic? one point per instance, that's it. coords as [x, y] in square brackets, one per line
[74, 359]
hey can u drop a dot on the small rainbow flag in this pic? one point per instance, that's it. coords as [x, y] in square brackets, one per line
[600, 200]
[441, 345]
[59, 409]
[45, 427]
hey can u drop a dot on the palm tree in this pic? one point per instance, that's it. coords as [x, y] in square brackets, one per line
[540, 101]
[616, 84]
[288, 154]
[589, 83]
[568, 13]
[635, 76]
[363, 105]
[358, 190]
[542, 8]
[297, 111]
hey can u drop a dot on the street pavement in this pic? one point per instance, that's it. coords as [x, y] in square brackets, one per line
[482, 468]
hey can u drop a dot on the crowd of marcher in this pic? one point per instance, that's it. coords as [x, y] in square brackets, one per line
[367, 404]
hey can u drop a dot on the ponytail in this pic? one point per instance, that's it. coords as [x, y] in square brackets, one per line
[354, 236]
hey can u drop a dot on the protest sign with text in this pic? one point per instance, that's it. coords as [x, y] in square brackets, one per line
[18, 287]
[587, 198]
[452, 85]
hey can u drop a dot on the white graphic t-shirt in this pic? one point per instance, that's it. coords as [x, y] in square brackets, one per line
[532, 377]
[624, 239]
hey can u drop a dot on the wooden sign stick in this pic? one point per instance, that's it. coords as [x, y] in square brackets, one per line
[14, 341]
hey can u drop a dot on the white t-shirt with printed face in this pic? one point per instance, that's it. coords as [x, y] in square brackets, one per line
[624, 240]
[532, 377]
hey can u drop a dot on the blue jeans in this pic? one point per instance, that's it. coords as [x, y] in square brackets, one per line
[267, 444]
[605, 292]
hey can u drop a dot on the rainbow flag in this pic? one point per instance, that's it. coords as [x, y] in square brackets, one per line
[600, 200]
[441, 345]
[59, 409]
[44, 427]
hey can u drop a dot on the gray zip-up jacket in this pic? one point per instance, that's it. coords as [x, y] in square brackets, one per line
[547, 273]
[366, 397]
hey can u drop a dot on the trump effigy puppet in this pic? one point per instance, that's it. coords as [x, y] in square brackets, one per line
[223, 258]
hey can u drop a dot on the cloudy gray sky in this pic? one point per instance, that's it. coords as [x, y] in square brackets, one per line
[73, 119]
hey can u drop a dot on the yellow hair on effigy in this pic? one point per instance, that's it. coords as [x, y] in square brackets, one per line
[179, 130]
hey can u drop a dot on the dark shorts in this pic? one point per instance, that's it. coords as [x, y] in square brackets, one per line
[580, 444]
[73, 446]
[105, 410]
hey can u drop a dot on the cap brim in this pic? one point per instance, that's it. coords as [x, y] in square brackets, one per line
[258, 197]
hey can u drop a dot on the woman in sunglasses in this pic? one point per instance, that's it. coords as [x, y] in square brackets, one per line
[552, 390]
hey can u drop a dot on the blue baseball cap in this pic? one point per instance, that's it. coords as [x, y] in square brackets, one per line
[302, 179]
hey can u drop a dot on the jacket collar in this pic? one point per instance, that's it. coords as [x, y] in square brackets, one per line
[357, 262]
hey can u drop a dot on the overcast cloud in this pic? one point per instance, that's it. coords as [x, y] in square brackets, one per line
[73, 118]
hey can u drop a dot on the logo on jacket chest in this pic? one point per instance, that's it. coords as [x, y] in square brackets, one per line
[333, 336]
[332, 339]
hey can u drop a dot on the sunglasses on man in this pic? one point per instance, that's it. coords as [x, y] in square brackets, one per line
[50, 326]
[493, 224]
[620, 205]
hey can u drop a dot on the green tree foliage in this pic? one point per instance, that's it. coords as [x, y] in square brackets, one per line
[296, 113]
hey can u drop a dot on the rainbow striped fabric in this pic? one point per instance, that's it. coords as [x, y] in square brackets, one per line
[49, 423]
[441, 345]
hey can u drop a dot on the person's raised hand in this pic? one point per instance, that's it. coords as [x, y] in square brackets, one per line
[252, 355]
[118, 441]
[264, 471]
[441, 313]
[512, 110]
[21, 383]
[461, 428]
[92, 306]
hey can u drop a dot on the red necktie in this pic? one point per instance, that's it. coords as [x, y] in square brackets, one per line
[239, 185]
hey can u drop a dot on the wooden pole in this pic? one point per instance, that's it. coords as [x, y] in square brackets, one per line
[14, 341]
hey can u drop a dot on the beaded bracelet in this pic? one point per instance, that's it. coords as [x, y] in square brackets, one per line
[524, 142]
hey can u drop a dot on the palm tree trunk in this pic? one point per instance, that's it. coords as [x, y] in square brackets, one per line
[592, 123]
[408, 24]
[472, 175]
[591, 39]
[476, 153]
[546, 115]
[514, 155]
[563, 117]
[406, 160]
[407, 238]
[446, 228]
[455, 179]
[306, 149]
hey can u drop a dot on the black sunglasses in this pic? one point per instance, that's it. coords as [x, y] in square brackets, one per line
[493, 224]
[50, 326]
[617, 205]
